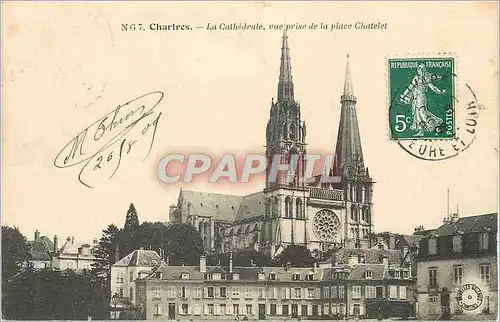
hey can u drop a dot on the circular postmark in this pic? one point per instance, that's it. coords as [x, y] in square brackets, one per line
[432, 116]
[469, 297]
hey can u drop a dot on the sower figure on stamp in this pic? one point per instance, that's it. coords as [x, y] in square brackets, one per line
[415, 94]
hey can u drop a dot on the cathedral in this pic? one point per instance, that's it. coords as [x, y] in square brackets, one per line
[316, 215]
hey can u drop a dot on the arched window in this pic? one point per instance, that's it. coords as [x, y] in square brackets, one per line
[300, 212]
[359, 193]
[354, 213]
[274, 207]
[288, 207]
[293, 131]
[366, 214]
[367, 193]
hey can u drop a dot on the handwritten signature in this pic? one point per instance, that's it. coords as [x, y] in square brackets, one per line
[102, 145]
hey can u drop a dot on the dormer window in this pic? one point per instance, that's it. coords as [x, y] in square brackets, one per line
[272, 276]
[309, 277]
[396, 274]
[236, 277]
[261, 277]
[432, 246]
[159, 275]
[216, 276]
[368, 274]
[484, 240]
[185, 276]
[457, 243]
[405, 274]
[296, 277]
[209, 276]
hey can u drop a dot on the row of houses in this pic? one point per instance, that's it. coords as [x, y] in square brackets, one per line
[361, 282]
[419, 275]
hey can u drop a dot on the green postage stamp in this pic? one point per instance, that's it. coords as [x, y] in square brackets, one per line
[421, 94]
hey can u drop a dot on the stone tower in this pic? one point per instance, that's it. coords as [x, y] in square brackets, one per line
[285, 194]
[349, 165]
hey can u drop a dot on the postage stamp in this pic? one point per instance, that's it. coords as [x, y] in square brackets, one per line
[422, 92]
[432, 115]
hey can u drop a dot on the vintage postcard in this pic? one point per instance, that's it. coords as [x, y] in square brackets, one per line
[249, 160]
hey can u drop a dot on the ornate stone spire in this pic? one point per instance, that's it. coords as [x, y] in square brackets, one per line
[348, 94]
[348, 151]
[285, 83]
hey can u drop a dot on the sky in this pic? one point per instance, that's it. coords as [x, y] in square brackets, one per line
[66, 66]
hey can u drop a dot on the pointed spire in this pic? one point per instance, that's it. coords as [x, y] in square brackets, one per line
[348, 94]
[285, 83]
[348, 151]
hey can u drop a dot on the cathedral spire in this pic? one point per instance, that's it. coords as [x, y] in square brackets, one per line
[285, 83]
[348, 152]
[348, 88]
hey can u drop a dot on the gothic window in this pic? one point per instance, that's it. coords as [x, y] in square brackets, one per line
[300, 211]
[359, 193]
[326, 225]
[288, 207]
[293, 131]
[365, 215]
[354, 213]
[367, 194]
[268, 208]
[351, 192]
[274, 207]
[285, 132]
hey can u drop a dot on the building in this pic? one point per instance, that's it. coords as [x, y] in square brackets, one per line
[378, 282]
[356, 283]
[41, 249]
[460, 253]
[73, 255]
[288, 211]
[46, 253]
[123, 275]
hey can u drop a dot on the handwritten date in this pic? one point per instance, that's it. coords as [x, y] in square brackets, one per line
[100, 148]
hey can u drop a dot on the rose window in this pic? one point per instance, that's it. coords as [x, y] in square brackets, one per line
[326, 225]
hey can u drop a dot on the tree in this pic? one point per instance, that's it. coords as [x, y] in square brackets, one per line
[54, 295]
[129, 239]
[15, 251]
[105, 251]
[183, 244]
[132, 219]
[153, 235]
[296, 255]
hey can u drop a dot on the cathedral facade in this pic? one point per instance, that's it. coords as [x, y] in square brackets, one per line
[287, 211]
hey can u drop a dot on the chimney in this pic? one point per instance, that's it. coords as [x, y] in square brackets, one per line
[73, 239]
[37, 234]
[392, 241]
[454, 218]
[361, 258]
[315, 267]
[95, 241]
[230, 262]
[56, 240]
[385, 261]
[117, 254]
[353, 260]
[203, 264]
